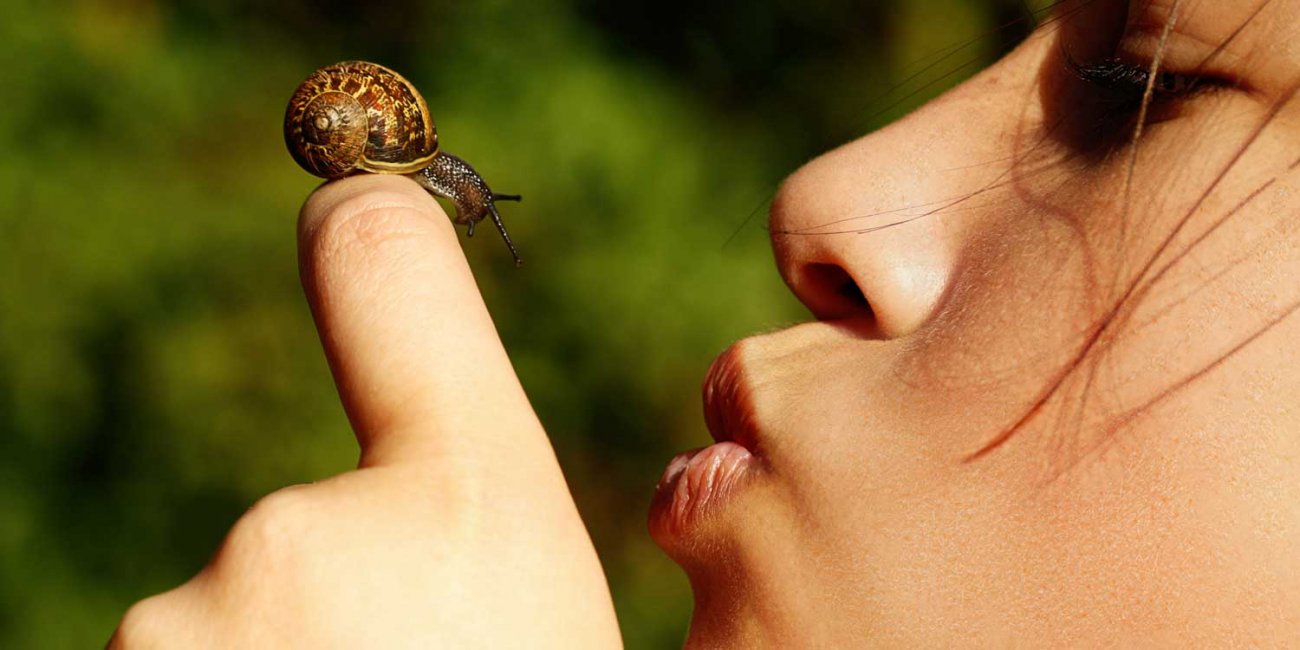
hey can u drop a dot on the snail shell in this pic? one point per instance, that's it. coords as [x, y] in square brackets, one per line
[357, 115]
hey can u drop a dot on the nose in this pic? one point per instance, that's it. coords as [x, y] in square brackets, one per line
[875, 229]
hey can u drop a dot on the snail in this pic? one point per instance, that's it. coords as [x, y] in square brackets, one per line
[358, 116]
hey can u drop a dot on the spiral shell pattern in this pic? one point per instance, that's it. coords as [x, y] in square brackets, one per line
[358, 115]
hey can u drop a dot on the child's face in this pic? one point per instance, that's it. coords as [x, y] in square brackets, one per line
[1058, 397]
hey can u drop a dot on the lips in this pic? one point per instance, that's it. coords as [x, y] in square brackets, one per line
[697, 483]
[728, 409]
[694, 486]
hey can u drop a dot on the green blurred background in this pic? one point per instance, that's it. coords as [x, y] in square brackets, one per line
[158, 366]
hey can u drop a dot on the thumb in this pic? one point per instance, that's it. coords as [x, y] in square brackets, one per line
[417, 360]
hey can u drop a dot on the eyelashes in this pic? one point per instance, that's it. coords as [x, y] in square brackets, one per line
[1114, 92]
[1127, 83]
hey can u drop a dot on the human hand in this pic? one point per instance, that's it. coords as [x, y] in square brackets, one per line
[457, 529]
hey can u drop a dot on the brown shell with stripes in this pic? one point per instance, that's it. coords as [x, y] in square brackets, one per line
[357, 115]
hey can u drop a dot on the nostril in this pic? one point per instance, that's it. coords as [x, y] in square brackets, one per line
[850, 289]
[835, 292]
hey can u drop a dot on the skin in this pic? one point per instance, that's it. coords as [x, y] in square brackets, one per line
[1153, 495]
[457, 528]
[1006, 425]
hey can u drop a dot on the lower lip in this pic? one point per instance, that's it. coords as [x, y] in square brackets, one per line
[696, 484]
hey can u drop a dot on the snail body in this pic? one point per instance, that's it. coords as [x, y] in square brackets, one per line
[356, 116]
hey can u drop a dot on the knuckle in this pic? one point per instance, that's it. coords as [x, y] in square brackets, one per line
[273, 532]
[142, 624]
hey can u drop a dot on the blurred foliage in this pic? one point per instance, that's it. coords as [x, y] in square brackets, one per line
[158, 367]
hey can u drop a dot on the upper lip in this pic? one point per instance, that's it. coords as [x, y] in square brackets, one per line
[728, 400]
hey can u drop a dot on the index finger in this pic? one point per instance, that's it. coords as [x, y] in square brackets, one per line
[417, 359]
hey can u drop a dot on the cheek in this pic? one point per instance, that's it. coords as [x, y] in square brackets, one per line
[927, 562]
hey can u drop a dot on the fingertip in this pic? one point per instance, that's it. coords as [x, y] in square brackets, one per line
[348, 197]
[362, 228]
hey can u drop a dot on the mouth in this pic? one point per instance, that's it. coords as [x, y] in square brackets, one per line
[697, 483]
[728, 402]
